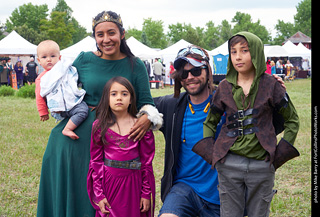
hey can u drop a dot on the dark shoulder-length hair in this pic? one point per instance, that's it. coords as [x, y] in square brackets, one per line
[124, 48]
[104, 115]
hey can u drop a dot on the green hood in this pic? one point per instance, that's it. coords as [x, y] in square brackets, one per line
[257, 56]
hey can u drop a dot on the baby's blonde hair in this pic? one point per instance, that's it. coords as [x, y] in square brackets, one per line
[48, 42]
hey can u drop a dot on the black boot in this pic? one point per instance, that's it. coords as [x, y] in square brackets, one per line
[284, 152]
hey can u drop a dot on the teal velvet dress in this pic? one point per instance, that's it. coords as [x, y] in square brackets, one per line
[63, 181]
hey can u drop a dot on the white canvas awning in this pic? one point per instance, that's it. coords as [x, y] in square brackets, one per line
[275, 51]
[140, 50]
[86, 44]
[14, 44]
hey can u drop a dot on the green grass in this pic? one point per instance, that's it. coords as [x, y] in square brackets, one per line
[24, 139]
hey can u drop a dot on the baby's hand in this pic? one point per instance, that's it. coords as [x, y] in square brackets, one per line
[144, 205]
[44, 118]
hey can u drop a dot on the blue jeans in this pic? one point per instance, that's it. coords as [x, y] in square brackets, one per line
[184, 202]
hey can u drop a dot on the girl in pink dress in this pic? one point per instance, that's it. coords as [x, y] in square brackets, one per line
[120, 179]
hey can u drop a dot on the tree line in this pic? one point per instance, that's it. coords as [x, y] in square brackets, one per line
[35, 24]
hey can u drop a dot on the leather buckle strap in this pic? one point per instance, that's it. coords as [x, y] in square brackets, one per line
[241, 114]
[242, 123]
[134, 164]
[241, 132]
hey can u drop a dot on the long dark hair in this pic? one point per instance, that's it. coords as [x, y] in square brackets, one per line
[124, 48]
[104, 115]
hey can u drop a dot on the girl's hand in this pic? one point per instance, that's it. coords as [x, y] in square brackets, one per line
[102, 204]
[144, 205]
[140, 128]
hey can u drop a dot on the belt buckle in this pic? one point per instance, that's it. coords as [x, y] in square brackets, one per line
[240, 114]
[240, 123]
[240, 132]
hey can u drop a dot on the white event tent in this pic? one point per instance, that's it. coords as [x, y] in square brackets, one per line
[140, 50]
[15, 45]
[275, 51]
[89, 44]
[17, 48]
[170, 53]
[86, 44]
[297, 51]
[222, 49]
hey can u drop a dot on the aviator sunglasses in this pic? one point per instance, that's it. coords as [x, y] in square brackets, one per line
[196, 71]
[192, 50]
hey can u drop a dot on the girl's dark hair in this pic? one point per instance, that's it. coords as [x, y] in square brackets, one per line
[124, 48]
[104, 115]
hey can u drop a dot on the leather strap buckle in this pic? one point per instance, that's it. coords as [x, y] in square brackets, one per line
[240, 132]
[240, 114]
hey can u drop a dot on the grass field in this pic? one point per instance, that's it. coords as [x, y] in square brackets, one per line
[24, 138]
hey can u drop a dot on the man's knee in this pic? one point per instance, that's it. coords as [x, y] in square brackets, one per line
[168, 215]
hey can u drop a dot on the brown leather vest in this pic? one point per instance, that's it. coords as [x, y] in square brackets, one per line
[270, 95]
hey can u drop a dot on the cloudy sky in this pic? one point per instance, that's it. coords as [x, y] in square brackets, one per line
[196, 12]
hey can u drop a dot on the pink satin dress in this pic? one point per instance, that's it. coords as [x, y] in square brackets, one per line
[123, 188]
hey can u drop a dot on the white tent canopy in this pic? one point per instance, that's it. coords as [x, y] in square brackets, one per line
[174, 49]
[222, 49]
[296, 51]
[86, 44]
[305, 52]
[275, 51]
[140, 50]
[169, 54]
[89, 44]
[14, 44]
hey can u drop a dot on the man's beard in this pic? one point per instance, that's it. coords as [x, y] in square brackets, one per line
[199, 90]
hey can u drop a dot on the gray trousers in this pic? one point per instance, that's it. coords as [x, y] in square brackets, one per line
[245, 184]
[78, 113]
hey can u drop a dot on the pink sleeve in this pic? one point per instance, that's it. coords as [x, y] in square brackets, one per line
[40, 101]
[147, 150]
[96, 170]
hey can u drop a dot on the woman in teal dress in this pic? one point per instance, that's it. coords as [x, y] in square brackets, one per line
[63, 187]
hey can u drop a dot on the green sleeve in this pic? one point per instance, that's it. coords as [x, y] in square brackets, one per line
[291, 122]
[141, 85]
[210, 124]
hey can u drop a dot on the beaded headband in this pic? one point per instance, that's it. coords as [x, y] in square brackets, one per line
[106, 17]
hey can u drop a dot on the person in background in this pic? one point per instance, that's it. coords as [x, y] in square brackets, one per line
[288, 67]
[157, 71]
[273, 67]
[32, 70]
[163, 74]
[10, 70]
[3, 73]
[18, 68]
[268, 71]
[170, 73]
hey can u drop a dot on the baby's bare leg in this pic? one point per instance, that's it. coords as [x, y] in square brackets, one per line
[68, 130]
